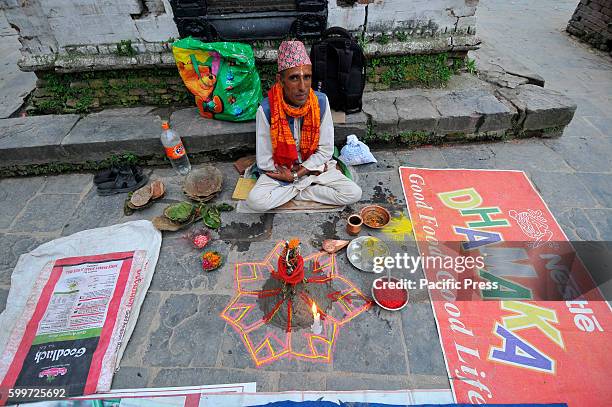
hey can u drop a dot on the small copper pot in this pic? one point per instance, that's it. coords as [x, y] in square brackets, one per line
[353, 224]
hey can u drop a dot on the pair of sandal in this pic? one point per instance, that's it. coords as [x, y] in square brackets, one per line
[118, 179]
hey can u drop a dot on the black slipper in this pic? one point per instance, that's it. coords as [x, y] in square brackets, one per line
[125, 181]
[109, 174]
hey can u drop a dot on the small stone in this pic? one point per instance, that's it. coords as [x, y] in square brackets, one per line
[79, 85]
[137, 92]
[117, 82]
[97, 83]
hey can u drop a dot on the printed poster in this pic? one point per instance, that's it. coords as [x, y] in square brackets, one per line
[531, 326]
[78, 313]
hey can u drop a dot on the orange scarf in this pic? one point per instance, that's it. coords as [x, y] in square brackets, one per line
[284, 150]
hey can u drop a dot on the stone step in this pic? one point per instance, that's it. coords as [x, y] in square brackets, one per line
[468, 109]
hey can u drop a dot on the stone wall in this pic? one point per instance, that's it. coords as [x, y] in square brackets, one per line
[592, 23]
[85, 35]
[82, 92]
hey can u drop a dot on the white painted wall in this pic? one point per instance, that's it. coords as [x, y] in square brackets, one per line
[94, 27]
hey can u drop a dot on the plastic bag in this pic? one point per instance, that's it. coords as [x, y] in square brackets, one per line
[222, 77]
[355, 152]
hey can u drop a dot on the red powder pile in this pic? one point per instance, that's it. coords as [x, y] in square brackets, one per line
[392, 299]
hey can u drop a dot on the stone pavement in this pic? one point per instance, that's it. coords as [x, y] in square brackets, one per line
[180, 338]
[15, 85]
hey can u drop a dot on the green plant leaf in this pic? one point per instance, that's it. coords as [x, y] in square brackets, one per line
[224, 207]
[211, 217]
[179, 212]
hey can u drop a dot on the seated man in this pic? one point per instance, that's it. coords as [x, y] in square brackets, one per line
[295, 140]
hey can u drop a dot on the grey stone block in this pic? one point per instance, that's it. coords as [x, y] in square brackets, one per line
[67, 184]
[479, 156]
[131, 378]
[588, 152]
[356, 124]
[370, 382]
[301, 382]
[540, 108]
[379, 343]
[190, 331]
[527, 155]
[381, 111]
[135, 347]
[600, 186]
[46, 213]
[602, 220]
[497, 67]
[416, 113]
[14, 246]
[14, 194]
[565, 190]
[266, 382]
[95, 211]
[428, 157]
[3, 296]
[472, 111]
[34, 139]
[422, 343]
[386, 161]
[99, 136]
[381, 188]
[576, 225]
[201, 135]
[125, 112]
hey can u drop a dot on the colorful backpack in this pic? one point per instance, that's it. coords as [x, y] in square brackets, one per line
[222, 77]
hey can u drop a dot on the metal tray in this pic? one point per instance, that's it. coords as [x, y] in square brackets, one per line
[362, 250]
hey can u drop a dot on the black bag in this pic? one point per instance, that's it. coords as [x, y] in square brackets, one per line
[338, 66]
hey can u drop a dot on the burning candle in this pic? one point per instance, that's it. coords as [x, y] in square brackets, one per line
[316, 326]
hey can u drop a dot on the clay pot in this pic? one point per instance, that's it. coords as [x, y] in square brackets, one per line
[353, 225]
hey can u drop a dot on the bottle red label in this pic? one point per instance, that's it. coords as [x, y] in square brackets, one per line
[175, 152]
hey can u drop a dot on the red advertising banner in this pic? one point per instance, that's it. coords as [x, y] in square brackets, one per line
[530, 326]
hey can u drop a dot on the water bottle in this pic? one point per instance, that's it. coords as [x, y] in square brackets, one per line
[175, 151]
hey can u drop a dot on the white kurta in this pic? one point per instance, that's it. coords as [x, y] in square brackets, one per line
[330, 187]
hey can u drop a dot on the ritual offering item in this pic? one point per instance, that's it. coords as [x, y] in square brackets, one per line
[362, 251]
[180, 212]
[375, 216]
[332, 246]
[177, 216]
[387, 295]
[316, 324]
[291, 263]
[279, 321]
[199, 238]
[144, 197]
[353, 225]
[158, 189]
[202, 184]
[211, 261]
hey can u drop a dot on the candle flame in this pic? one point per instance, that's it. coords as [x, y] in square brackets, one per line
[314, 309]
